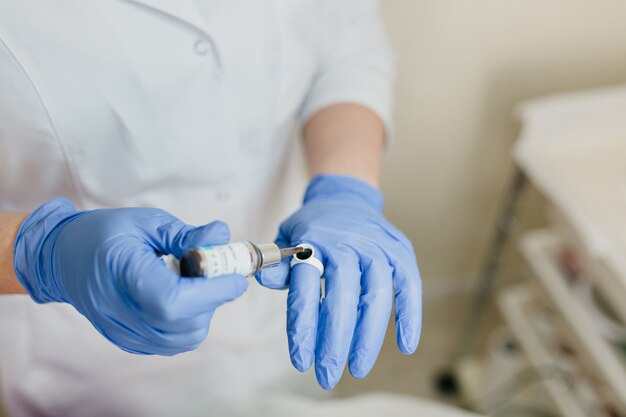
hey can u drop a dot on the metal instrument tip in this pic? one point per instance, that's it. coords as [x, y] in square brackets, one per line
[284, 252]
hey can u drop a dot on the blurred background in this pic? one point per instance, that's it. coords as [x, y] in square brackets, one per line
[464, 68]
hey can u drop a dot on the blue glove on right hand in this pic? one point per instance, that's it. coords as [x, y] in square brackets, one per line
[105, 264]
[368, 264]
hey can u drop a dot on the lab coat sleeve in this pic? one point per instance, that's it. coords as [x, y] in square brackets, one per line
[356, 63]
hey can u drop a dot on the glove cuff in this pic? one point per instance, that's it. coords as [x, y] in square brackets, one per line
[326, 185]
[30, 268]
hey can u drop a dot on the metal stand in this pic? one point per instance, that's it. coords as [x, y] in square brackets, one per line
[447, 382]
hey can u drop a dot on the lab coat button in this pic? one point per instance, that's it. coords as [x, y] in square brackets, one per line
[202, 46]
[222, 195]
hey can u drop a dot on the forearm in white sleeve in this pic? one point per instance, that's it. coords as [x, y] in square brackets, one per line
[356, 63]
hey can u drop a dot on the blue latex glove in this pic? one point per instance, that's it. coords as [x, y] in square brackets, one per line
[105, 264]
[367, 263]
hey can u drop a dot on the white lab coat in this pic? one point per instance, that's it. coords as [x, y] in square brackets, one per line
[184, 105]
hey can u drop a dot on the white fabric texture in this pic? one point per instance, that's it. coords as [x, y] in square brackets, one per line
[184, 105]
[369, 405]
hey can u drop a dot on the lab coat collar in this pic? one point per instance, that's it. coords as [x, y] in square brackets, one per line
[184, 10]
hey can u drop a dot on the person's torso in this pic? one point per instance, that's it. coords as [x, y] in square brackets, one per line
[187, 106]
[118, 102]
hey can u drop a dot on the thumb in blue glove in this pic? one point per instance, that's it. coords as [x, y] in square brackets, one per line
[105, 263]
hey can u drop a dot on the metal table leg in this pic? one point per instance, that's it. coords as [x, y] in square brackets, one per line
[446, 381]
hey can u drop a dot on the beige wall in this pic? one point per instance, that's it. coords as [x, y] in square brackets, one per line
[463, 65]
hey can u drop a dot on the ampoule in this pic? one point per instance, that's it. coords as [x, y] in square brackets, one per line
[243, 258]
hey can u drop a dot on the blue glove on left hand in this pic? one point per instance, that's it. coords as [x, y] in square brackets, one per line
[105, 263]
[367, 261]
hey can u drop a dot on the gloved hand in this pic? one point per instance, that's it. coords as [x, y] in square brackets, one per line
[105, 264]
[367, 263]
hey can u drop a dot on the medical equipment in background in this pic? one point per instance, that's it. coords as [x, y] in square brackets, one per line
[447, 381]
[571, 149]
[242, 258]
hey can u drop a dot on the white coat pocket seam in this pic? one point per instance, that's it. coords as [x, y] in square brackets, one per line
[53, 125]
